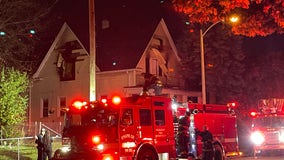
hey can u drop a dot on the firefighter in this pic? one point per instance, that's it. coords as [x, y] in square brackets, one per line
[152, 82]
[40, 144]
[207, 145]
[47, 150]
[183, 135]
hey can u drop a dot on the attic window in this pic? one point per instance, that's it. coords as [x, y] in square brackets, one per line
[66, 61]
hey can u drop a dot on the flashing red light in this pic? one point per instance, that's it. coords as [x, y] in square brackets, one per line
[253, 114]
[78, 104]
[96, 139]
[232, 104]
[116, 100]
[104, 100]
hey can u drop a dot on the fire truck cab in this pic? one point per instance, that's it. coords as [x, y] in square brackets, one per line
[138, 127]
[267, 129]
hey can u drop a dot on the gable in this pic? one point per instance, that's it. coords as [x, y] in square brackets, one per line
[63, 40]
[161, 52]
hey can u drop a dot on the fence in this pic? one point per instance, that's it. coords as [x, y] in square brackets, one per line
[28, 137]
[55, 128]
[7, 142]
[25, 147]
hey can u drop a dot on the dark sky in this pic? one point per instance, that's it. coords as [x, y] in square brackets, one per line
[260, 45]
[75, 11]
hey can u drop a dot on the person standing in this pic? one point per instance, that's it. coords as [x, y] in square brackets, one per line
[183, 135]
[207, 143]
[47, 141]
[40, 145]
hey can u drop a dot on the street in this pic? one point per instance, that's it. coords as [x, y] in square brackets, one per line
[256, 158]
[259, 158]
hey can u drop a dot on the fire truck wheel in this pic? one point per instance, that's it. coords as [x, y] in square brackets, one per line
[147, 153]
[218, 152]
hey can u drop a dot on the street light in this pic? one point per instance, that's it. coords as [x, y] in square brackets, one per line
[202, 34]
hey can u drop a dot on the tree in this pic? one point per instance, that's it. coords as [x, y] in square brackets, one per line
[224, 63]
[258, 17]
[13, 98]
[23, 24]
[265, 75]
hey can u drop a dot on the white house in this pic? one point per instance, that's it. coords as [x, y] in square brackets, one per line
[121, 62]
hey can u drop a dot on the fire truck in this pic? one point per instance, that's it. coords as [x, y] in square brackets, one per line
[140, 127]
[222, 123]
[267, 129]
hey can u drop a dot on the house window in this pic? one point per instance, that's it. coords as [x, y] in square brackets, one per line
[178, 98]
[147, 60]
[66, 61]
[192, 99]
[67, 70]
[62, 101]
[152, 66]
[45, 107]
[160, 71]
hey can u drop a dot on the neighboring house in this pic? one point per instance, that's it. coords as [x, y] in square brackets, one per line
[63, 75]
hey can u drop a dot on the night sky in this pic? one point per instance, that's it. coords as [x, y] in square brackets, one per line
[75, 10]
[261, 45]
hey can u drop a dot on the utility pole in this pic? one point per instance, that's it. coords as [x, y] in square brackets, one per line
[92, 50]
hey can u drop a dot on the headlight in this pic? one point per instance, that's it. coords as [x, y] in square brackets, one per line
[281, 136]
[257, 138]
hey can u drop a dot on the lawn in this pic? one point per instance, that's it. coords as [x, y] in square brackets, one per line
[26, 151]
[11, 153]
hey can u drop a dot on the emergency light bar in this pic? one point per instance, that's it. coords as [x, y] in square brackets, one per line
[116, 100]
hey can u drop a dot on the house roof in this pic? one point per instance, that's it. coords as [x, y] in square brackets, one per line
[123, 29]
[62, 31]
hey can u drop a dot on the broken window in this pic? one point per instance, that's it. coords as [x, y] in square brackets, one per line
[66, 61]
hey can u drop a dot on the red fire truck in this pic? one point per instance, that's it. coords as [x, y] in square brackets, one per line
[221, 121]
[138, 127]
[267, 130]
